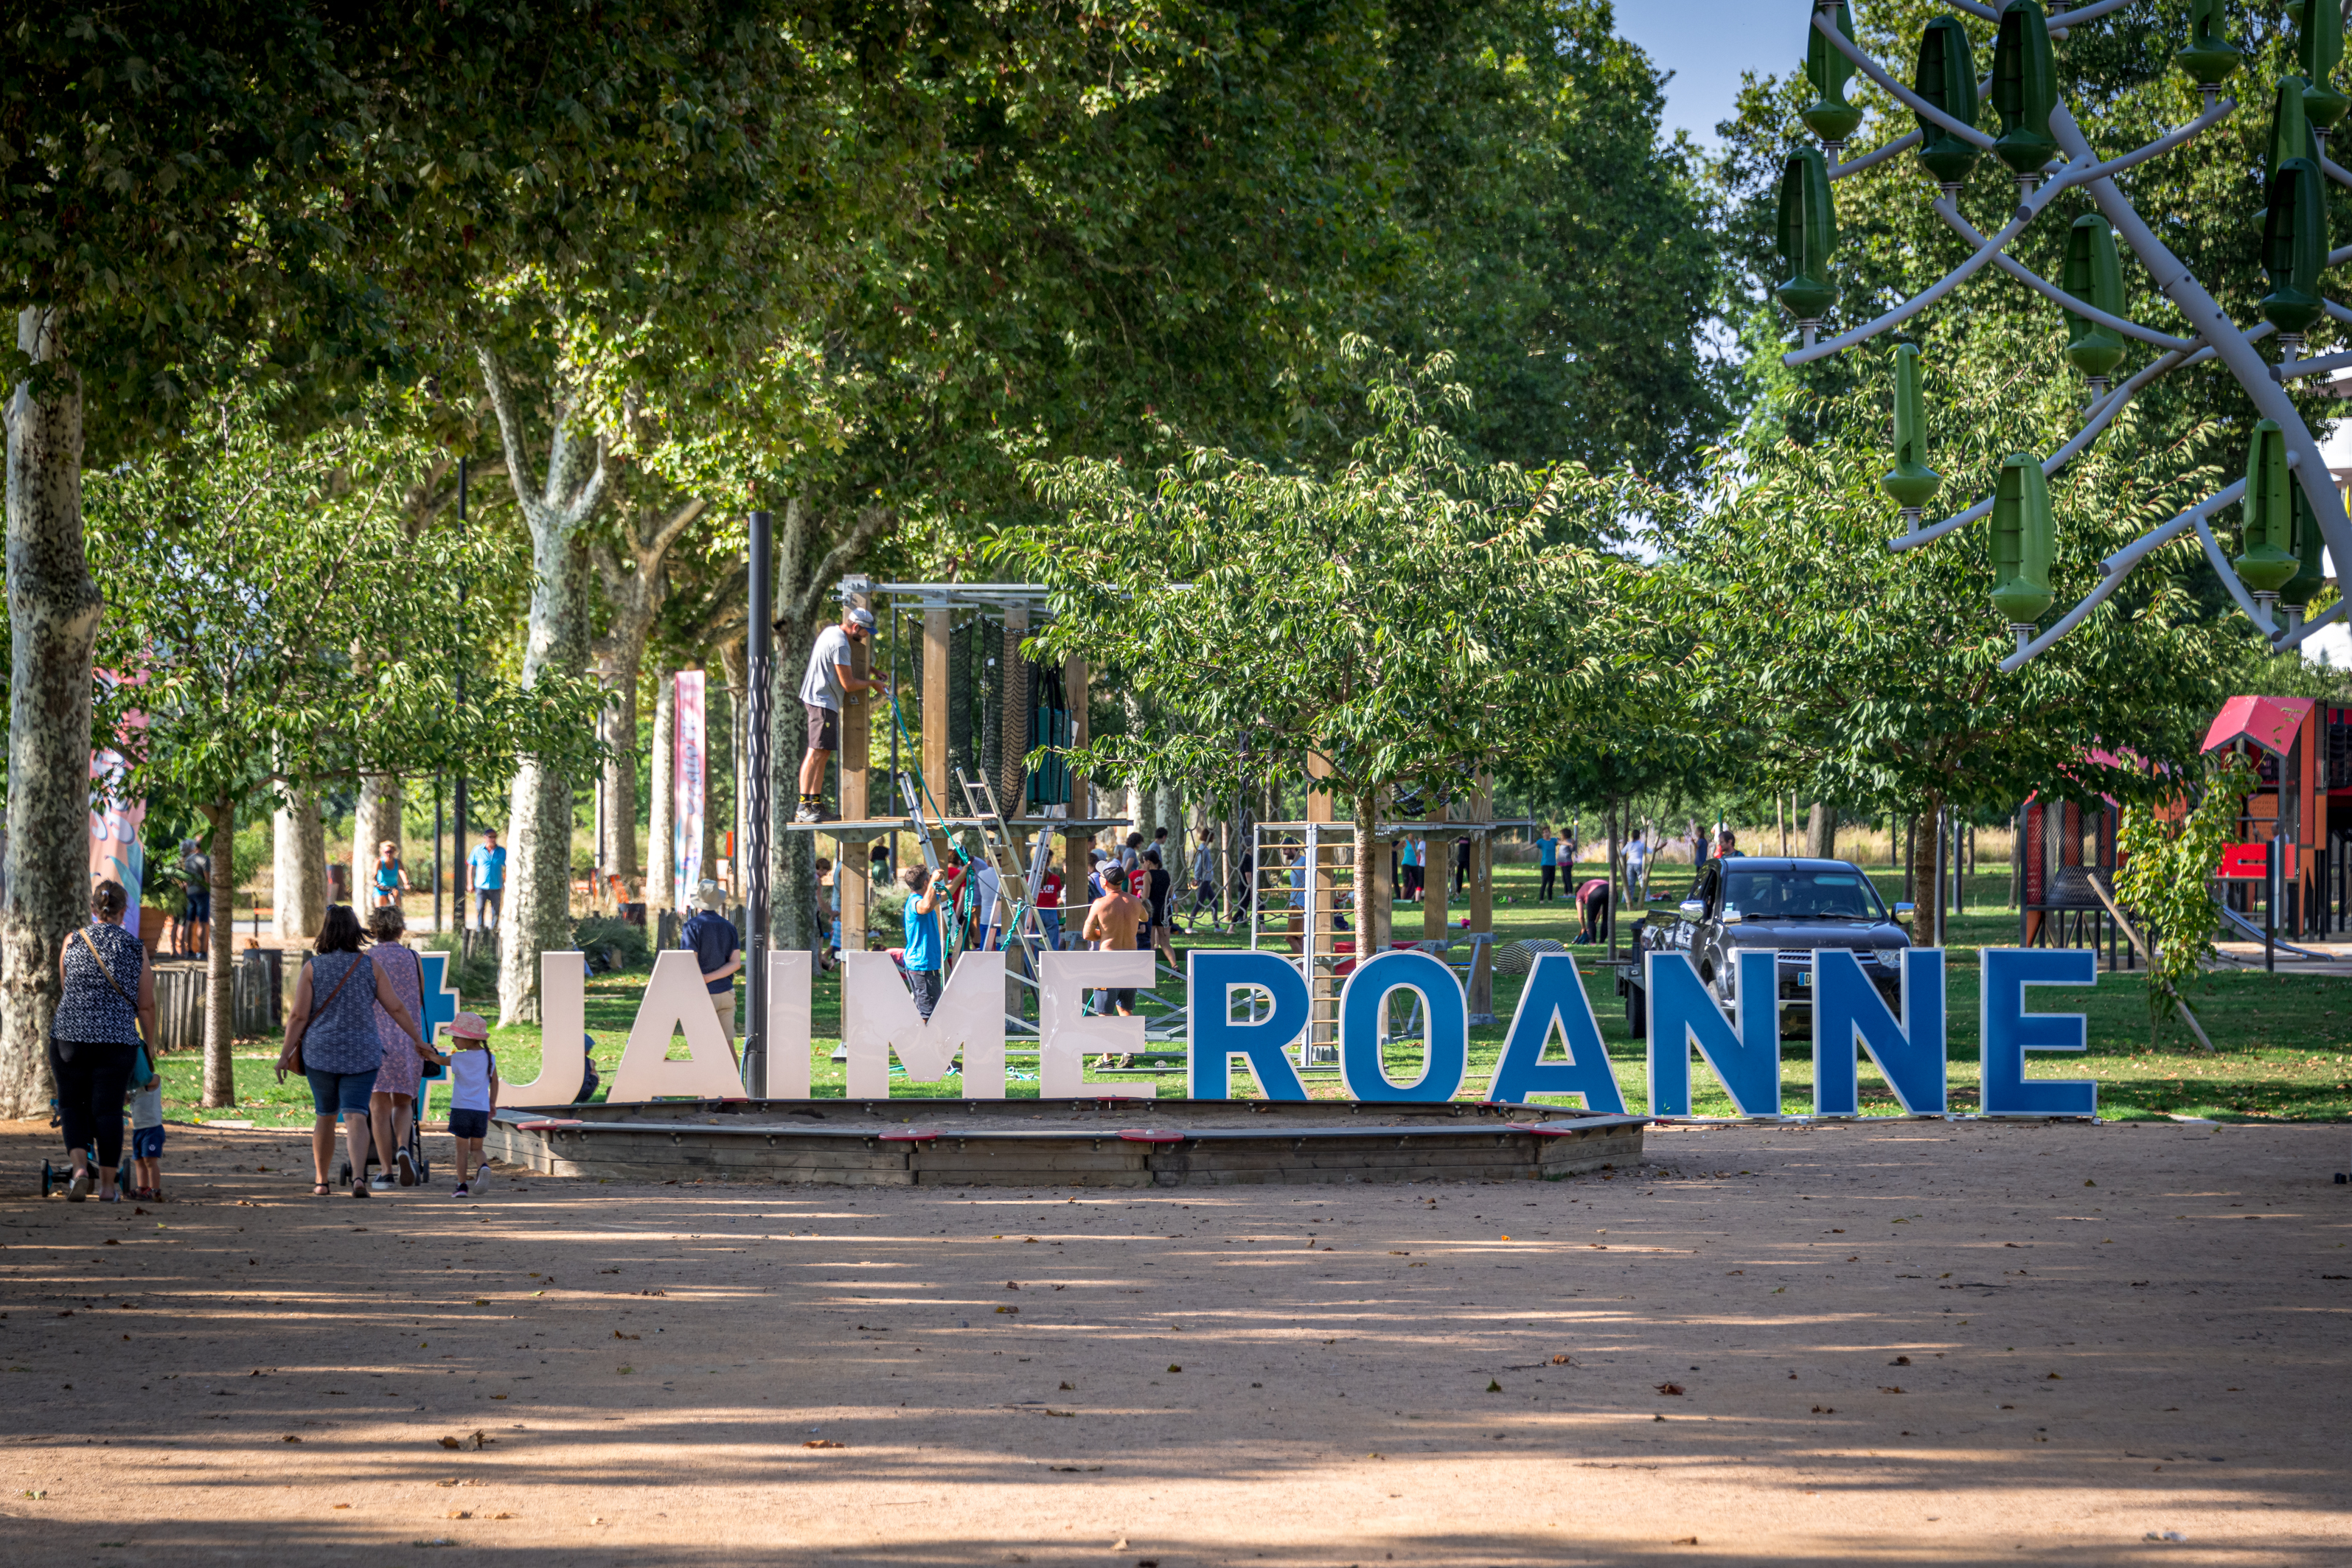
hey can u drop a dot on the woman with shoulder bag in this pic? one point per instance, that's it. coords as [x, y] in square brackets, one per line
[95, 1035]
[331, 1039]
[394, 1099]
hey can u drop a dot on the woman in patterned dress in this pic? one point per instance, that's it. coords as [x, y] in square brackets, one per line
[331, 1039]
[394, 1099]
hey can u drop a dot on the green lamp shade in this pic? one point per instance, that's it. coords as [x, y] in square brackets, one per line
[2208, 57]
[2024, 89]
[2022, 540]
[1807, 234]
[2290, 134]
[1830, 116]
[2294, 245]
[2310, 550]
[2268, 561]
[2318, 51]
[1911, 483]
[1947, 77]
[2095, 274]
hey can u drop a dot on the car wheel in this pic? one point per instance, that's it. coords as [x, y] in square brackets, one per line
[1637, 1012]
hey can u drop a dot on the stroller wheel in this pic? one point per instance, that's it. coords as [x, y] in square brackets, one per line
[48, 1178]
[345, 1178]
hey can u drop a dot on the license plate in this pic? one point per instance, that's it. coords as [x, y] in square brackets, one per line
[1804, 979]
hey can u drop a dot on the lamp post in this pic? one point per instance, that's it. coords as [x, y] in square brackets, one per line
[756, 825]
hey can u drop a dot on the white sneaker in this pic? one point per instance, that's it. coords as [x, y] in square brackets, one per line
[78, 1189]
[808, 814]
[381, 1183]
[407, 1168]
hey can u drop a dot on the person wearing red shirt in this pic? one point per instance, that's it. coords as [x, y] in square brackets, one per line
[1049, 898]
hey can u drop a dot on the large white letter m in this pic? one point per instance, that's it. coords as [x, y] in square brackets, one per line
[878, 1017]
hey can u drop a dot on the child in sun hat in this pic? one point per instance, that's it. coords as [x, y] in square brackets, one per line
[473, 1090]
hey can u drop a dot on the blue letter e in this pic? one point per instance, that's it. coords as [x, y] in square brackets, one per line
[1216, 1039]
[2008, 1031]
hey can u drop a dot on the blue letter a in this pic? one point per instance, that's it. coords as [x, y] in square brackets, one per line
[1850, 1017]
[1216, 1039]
[1683, 1014]
[1555, 998]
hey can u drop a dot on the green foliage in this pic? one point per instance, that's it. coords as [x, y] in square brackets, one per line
[273, 617]
[1853, 674]
[2166, 878]
[476, 979]
[1405, 616]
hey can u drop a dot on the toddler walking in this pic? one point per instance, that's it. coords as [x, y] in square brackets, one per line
[473, 1090]
[147, 1133]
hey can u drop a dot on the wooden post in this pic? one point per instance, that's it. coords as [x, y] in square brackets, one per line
[1076, 843]
[1323, 1017]
[935, 712]
[1435, 881]
[849, 866]
[1481, 987]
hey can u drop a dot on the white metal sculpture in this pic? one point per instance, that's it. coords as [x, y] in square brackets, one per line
[2287, 520]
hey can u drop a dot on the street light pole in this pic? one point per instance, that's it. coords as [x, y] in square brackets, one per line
[757, 826]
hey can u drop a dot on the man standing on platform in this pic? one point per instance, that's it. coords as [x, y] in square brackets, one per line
[822, 689]
[718, 952]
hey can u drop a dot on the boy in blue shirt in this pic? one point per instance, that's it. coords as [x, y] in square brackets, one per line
[925, 952]
[718, 951]
[1548, 856]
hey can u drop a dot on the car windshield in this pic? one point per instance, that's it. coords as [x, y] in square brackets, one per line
[1802, 895]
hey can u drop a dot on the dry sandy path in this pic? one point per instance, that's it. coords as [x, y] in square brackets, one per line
[1337, 1345]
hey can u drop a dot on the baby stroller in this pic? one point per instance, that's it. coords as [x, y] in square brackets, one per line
[415, 1145]
[55, 1177]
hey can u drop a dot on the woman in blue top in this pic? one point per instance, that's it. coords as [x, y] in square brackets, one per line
[107, 1008]
[332, 1039]
[1547, 857]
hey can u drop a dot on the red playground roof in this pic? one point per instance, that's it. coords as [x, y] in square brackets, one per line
[2270, 723]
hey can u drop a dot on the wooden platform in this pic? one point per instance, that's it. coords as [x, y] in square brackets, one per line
[1095, 1142]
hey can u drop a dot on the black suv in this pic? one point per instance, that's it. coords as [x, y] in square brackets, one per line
[1790, 906]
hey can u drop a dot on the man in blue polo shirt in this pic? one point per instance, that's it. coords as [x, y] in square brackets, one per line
[719, 949]
[487, 867]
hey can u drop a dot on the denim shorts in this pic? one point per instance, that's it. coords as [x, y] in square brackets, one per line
[146, 1142]
[343, 1092]
[469, 1123]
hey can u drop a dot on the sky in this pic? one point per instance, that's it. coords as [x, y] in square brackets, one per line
[1707, 43]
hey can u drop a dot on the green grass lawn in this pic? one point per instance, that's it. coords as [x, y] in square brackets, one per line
[2283, 1042]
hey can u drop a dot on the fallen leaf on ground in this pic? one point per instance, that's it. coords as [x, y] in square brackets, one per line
[1670, 1388]
[823, 1443]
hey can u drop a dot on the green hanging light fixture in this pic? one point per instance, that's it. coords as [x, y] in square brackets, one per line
[2023, 541]
[1827, 70]
[2266, 561]
[1911, 484]
[1946, 76]
[2024, 91]
[2208, 57]
[1807, 234]
[2294, 250]
[2291, 133]
[2318, 51]
[2310, 555]
[2093, 274]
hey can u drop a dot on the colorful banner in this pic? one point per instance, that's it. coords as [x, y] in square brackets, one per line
[688, 788]
[114, 851]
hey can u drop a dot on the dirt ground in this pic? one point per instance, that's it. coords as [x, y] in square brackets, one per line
[1912, 1342]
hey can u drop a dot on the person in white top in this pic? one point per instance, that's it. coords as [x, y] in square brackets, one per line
[473, 1091]
[827, 682]
[1637, 872]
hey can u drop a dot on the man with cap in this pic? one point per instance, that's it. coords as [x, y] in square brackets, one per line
[823, 688]
[717, 948]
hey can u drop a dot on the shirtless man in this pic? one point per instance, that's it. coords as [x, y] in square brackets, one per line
[1112, 921]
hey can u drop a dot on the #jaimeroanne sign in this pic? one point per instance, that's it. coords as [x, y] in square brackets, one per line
[1553, 1046]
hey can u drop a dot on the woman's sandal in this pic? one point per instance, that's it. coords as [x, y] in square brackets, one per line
[320, 1190]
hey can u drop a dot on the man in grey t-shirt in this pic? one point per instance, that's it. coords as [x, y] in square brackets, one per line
[828, 680]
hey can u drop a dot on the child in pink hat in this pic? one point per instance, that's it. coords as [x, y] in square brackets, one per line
[473, 1090]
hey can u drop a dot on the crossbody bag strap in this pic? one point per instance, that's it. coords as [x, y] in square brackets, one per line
[338, 988]
[104, 968]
